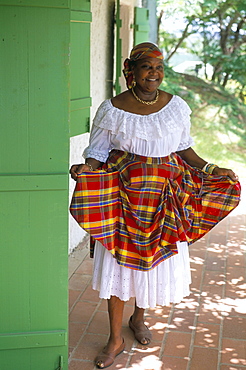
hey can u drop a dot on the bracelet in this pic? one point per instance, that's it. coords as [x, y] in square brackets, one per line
[209, 167]
[89, 165]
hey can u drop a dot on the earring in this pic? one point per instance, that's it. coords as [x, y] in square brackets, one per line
[133, 83]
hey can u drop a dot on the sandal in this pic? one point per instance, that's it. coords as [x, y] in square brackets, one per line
[141, 334]
[104, 360]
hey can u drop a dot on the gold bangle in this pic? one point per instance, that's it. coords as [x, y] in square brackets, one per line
[204, 167]
[209, 167]
[89, 165]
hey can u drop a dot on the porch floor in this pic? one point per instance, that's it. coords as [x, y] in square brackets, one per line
[207, 330]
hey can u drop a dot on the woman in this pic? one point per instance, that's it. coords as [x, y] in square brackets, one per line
[154, 197]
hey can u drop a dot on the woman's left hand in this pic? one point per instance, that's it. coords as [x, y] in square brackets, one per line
[225, 172]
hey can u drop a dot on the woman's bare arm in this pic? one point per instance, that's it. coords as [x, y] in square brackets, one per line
[90, 164]
[190, 156]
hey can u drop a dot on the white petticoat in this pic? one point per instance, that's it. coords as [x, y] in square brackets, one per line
[167, 283]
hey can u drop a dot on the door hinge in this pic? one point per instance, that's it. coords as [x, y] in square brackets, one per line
[60, 367]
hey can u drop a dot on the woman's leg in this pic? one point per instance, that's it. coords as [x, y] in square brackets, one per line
[115, 343]
[115, 311]
[142, 333]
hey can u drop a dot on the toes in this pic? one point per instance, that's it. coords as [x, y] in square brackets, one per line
[145, 341]
[100, 364]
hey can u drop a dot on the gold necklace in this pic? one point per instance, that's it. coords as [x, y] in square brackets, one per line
[146, 101]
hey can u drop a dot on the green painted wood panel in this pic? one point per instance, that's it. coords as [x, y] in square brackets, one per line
[35, 89]
[38, 3]
[80, 100]
[80, 59]
[33, 182]
[33, 359]
[118, 56]
[54, 338]
[34, 150]
[35, 254]
[80, 5]
[141, 25]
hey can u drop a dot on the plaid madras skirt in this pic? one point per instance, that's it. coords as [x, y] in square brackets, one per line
[139, 207]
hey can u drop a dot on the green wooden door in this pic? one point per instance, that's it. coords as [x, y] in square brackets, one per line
[141, 25]
[118, 49]
[34, 184]
[80, 100]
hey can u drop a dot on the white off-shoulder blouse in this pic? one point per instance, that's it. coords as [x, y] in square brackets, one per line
[154, 135]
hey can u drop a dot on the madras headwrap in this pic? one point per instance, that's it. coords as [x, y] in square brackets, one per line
[141, 51]
[139, 207]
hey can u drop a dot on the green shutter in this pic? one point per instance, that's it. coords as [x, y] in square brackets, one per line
[118, 64]
[34, 143]
[80, 100]
[83, 5]
[141, 25]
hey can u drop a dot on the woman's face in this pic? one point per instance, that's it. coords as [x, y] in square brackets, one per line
[148, 74]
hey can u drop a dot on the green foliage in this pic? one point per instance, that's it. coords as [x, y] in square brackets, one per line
[168, 41]
[221, 35]
[218, 119]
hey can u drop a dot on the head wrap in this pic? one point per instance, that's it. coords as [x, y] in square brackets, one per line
[140, 51]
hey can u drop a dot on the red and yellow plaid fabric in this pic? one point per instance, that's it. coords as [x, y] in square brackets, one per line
[139, 207]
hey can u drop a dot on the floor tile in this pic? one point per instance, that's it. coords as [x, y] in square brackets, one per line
[234, 327]
[235, 282]
[103, 306]
[209, 311]
[204, 359]
[182, 320]
[73, 297]
[90, 295]
[146, 358]
[86, 267]
[214, 278]
[233, 307]
[158, 326]
[207, 335]
[190, 302]
[159, 311]
[99, 324]
[70, 350]
[215, 261]
[127, 313]
[89, 348]
[236, 258]
[82, 312]
[233, 352]
[196, 277]
[79, 282]
[177, 344]
[81, 365]
[76, 330]
[173, 363]
[231, 367]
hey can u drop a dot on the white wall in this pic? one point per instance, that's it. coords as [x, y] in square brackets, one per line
[77, 145]
[102, 42]
[102, 61]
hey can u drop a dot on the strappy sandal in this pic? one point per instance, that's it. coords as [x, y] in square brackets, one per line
[104, 360]
[140, 334]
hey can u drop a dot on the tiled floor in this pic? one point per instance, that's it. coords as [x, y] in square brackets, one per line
[206, 331]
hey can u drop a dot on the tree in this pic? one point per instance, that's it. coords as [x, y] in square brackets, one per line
[221, 28]
[229, 18]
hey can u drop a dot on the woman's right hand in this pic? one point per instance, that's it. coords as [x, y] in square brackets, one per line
[76, 169]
